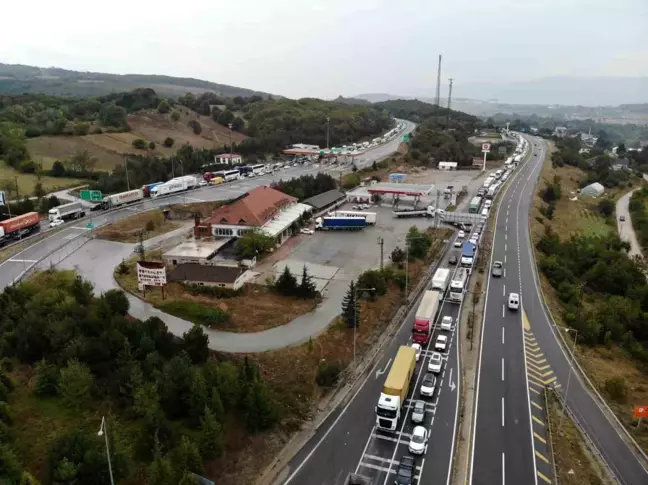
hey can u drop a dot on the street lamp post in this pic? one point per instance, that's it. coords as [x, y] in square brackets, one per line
[328, 131]
[573, 356]
[230, 125]
[355, 319]
[104, 431]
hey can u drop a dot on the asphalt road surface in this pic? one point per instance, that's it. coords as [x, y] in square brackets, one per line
[626, 231]
[506, 451]
[19, 263]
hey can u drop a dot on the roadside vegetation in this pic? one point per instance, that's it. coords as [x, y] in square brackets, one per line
[638, 208]
[306, 186]
[151, 223]
[592, 286]
[70, 357]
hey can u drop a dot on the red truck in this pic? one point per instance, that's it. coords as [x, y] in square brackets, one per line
[19, 226]
[425, 316]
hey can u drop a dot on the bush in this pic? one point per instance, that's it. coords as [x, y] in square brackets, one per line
[211, 317]
[372, 279]
[150, 226]
[168, 142]
[195, 126]
[327, 374]
[140, 144]
[214, 291]
[151, 145]
[175, 116]
[616, 388]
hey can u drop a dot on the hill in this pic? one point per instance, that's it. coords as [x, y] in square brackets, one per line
[18, 79]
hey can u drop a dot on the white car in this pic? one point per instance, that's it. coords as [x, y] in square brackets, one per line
[446, 323]
[427, 385]
[435, 363]
[418, 441]
[458, 243]
[514, 301]
[461, 235]
[306, 230]
[56, 222]
[417, 348]
[441, 343]
[202, 183]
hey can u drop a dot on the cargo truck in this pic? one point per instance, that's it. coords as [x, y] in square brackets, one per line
[175, 185]
[458, 285]
[395, 389]
[148, 187]
[467, 254]
[340, 223]
[128, 197]
[440, 279]
[66, 212]
[425, 316]
[19, 227]
[429, 211]
[370, 217]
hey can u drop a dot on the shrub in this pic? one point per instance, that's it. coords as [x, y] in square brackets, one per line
[168, 142]
[175, 116]
[327, 374]
[140, 144]
[151, 145]
[211, 317]
[150, 226]
[214, 291]
[616, 388]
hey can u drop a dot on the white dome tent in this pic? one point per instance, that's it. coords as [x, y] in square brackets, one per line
[593, 190]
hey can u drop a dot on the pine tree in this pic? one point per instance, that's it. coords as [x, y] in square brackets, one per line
[286, 284]
[307, 288]
[349, 310]
[211, 439]
[160, 471]
[216, 404]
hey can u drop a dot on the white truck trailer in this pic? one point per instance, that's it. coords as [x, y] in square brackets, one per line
[122, 198]
[440, 279]
[66, 212]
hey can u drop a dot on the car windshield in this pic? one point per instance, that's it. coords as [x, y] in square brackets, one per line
[429, 380]
[419, 407]
[405, 472]
[497, 264]
[418, 439]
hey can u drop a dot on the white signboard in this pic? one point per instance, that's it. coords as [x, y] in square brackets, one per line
[2, 198]
[151, 273]
[485, 147]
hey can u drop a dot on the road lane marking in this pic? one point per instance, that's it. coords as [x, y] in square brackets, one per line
[542, 457]
[503, 469]
[502, 370]
[503, 335]
[23, 261]
[504, 291]
[539, 438]
[502, 412]
[533, 403]
[534, 390]
[544, 477]
[502, 310]
[537, 420]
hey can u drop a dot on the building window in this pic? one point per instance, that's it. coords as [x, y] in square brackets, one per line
[221, 284]
[222, 231]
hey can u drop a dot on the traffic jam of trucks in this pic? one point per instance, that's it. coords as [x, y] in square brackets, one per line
[19, 227]
[397, 404]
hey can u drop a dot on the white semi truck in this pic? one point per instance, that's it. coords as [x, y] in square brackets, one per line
[440, 279]
[66, 212]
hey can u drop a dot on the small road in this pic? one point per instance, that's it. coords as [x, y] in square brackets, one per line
[626, 231]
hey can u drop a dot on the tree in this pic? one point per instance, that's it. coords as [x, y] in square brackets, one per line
[113, 115]
[160, 471]
[225, 118]
[418, 243]
[259, 410]
[58, 170]
[397, 256]
[168, 142]
[83, 162]
[195, 126]
[606, 207]
[254, 244]
[286, 284]
[81, 129]
[374, 167]
[146, 402]
[151, 145]
[174, 385]
[117, 301]
[164, 107]
[139, 143]
[196, 343]
[621, 150]
[175, 116]
[76, 383]
[216, 404]
[238, 124]
[211, 436]
[307, 288]
[39, 191]
[350, 312]
[186, 457]
[47, 379]
[375, 279]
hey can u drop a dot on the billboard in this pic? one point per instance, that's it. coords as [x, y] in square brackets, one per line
[151, 273]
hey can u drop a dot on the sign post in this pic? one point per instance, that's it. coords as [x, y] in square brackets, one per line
[2, 198]
[406, 137]
[639, 413]
[485, 150]
[91, 195]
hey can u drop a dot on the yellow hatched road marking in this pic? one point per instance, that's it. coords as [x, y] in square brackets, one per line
[534, 390]
[538, 421]
[536, 362]
[535, 383]
[536, 405]
[538, 367]
[541, 375]
[539, 438]
[544, 477]
[541, 456]
[534, 354]
[525, 321]
[549, 381]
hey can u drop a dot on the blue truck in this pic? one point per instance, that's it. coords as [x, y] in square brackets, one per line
[340, 223]
[467, 254]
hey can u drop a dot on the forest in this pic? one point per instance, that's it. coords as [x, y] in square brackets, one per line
[168, 402]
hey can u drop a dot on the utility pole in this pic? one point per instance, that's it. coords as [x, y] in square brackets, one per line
[17, 190]
[436, 212]
[126, 168]
[328, 132]
[230, 141]
[437, 98]
[381, 243]
[449, 103]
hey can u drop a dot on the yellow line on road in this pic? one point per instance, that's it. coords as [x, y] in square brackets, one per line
[538, 421]
[544, 477]
[536, 362]
[537, 405]
[535, 354]
[539, 368]
[541, 456]
[549, 381]
[525, 321]
[533, 347]
[541, 375]
[539, 438]
[534, 390]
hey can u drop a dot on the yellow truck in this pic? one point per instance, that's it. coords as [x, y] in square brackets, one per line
[395, 389]
[216, 181]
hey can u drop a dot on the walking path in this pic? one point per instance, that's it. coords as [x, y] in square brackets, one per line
[625, 229]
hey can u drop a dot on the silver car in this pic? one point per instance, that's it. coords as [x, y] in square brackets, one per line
[418, 412]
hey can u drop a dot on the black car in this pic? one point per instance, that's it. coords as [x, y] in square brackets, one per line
[405, 471]
[453, 259]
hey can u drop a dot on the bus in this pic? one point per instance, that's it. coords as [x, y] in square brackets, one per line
[474, 205]
[258, 169]
[229, 175]
[458, 285]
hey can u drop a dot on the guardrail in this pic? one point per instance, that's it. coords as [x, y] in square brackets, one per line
[588, 442]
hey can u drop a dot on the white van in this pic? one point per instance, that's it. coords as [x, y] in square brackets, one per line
[484, 212]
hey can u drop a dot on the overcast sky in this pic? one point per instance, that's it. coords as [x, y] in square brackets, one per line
[328, 47]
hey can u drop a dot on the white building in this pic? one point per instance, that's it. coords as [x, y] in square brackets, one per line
[229, 159]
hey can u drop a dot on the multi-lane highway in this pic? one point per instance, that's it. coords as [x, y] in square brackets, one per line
[22, 261]
[520, 354]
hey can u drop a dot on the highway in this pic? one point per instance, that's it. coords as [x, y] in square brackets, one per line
[22, 261]
[520, 354]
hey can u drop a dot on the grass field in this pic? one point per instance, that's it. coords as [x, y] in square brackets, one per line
[27, 182]
[125, 230]
[109, 148]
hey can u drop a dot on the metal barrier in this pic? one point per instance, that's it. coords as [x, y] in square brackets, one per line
[550, 435]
